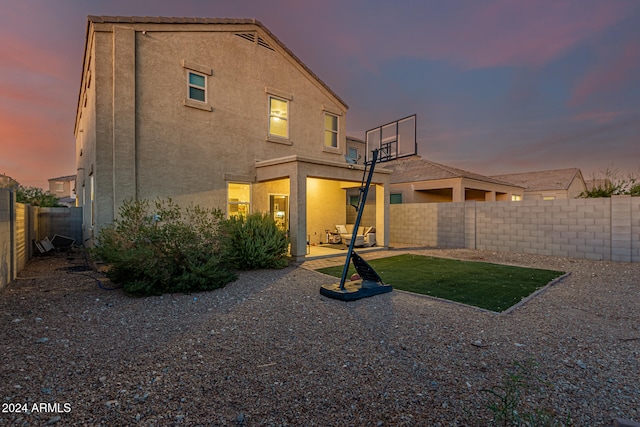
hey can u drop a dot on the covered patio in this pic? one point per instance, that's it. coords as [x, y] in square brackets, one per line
[317, 199]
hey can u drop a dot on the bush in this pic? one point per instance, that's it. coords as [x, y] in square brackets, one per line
[255, 242]
[152, 251]
[37, 197]
[613, 185]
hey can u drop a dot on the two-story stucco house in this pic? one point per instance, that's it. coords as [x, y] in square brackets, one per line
[216, 112]
[64, 187]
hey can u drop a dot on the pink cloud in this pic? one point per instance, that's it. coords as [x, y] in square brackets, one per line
[613, 71]
[31, 58]
[33, 151]
[527, 33]
[599, 117]
[480, 34]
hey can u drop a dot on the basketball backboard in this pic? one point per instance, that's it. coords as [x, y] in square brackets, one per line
[393, 140]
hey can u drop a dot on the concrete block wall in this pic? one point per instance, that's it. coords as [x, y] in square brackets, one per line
[598, 229]
[63, 221]
[635, 229]
[451, 225]
[414, 224]
[428, 224]
[578, 228]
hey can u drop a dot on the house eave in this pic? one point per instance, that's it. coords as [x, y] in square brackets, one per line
[294, 158]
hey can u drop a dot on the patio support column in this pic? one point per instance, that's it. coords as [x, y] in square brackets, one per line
[298, 213]
[458, 194]
[382, 215]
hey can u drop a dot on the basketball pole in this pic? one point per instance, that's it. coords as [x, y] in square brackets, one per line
[363, 200]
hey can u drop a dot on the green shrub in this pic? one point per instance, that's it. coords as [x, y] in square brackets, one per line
[255, 242]
[152, 250]
[514, 402]
[37, 197]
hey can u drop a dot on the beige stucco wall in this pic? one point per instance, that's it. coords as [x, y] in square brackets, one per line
[576, 188]
[325, 208]
[195, 156]
[453, 190]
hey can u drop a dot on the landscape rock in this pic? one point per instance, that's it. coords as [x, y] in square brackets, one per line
[268, 349]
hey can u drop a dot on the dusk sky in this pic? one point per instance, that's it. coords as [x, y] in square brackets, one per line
[498, 86]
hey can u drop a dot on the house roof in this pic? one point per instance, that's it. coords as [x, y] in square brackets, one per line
[63, 178]
[206, 21]
[557, 179]
[415, 168]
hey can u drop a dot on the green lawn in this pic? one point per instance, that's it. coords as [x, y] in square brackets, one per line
[491, 286]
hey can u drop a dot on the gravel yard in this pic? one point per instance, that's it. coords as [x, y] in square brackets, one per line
[269, 350]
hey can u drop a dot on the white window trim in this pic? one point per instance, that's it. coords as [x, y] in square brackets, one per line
[203, 71]
[337, 131]
[337, 149]
[195, 86]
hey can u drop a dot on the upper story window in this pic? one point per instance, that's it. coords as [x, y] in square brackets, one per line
[197, 82]
[395, 198]
[330, 130]
[278, 117]
[197, 86]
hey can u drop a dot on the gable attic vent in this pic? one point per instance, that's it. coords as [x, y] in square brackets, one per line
[248, 36]
[252, 38]
[263, 43]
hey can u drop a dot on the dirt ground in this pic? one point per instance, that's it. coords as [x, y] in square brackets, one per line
[268, 349]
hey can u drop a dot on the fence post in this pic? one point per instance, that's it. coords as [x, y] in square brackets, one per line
[13, 247]
[621, 228]
[470, 224]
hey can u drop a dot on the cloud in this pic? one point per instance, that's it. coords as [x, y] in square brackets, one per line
[615, 68]
[477, 34]
[601, 117]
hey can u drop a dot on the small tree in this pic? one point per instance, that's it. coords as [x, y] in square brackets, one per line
[36, 197]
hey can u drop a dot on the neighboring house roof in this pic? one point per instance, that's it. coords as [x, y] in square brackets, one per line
[67, 200]
[64, 178]
[558, 179]
[415, 168]
[205, 21]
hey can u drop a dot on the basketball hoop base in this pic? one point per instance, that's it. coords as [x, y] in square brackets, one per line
[354, 290]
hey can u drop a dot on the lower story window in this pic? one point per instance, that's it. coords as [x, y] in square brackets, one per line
[238, 199]
[395, 199]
